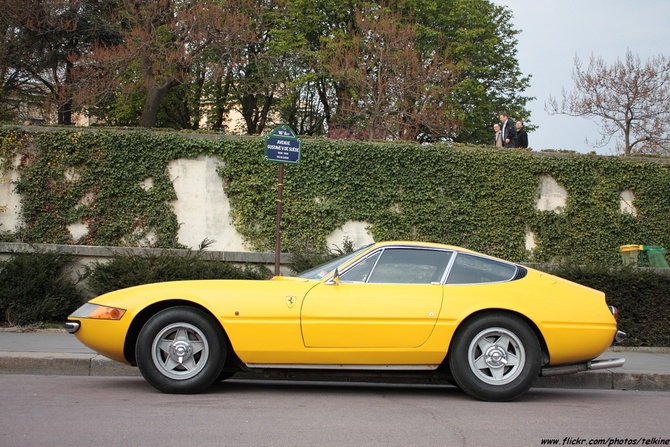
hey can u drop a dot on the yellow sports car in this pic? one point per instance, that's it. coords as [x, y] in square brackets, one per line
[486, 325]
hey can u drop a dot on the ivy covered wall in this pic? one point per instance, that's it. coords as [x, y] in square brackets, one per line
[117, 184]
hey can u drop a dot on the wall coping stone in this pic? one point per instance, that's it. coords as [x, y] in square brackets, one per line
[90, 251]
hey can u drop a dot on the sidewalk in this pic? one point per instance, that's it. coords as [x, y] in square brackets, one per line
[55, 352]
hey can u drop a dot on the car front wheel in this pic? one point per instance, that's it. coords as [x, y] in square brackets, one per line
[181, 350]
[495, 357]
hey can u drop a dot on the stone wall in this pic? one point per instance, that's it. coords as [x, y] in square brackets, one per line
[202, 209]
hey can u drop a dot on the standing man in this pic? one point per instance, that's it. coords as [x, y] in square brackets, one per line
[521, 135]
[508, 131]
[497, 139]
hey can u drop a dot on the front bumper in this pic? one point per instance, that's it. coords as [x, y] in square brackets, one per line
[71, 326]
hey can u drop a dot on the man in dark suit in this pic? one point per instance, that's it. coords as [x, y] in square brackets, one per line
[521, 135]
[508, 131]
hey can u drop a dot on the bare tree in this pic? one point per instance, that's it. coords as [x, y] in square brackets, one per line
[631, 99]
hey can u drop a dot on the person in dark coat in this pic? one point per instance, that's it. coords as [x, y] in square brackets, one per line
[508, 131]
[521, 135]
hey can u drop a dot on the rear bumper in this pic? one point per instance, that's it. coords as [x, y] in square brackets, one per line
[620, 336]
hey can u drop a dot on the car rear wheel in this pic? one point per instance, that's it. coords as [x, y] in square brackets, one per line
[181, 350]
[495, 357]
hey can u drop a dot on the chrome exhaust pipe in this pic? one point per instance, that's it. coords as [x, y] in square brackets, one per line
[593, 365]
[606, 363]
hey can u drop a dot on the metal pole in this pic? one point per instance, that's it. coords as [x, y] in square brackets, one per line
[280, 192]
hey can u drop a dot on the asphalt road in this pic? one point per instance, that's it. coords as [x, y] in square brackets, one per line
[114, 411]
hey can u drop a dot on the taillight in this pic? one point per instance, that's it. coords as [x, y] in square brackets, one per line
[615, 312]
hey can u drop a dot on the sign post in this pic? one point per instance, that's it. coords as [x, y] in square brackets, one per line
[281, 146]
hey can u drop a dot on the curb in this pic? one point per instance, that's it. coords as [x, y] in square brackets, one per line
[608, 380]
[54, 364]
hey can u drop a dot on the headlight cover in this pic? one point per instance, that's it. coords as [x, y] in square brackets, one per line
[98, 312]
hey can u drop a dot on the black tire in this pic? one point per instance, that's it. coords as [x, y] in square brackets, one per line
[181, 350]
[495, 357]
[225, 375]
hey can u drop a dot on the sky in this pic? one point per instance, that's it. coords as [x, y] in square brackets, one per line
[554, 32]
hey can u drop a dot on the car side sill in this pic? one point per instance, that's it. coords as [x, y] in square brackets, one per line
[344, 367]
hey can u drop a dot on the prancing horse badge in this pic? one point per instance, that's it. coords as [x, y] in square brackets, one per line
[290, 301]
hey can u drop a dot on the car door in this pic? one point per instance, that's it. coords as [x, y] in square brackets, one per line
[389, 299]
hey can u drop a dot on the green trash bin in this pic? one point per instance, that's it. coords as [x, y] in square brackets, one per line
[656, 256]
[644, 256]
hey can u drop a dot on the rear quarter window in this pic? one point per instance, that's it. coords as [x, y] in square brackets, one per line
[470, 269]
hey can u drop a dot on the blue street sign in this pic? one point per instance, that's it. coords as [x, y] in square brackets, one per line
[282, 145]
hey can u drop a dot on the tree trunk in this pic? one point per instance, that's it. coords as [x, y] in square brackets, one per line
[250, 113]
[65, 113]
[155, 95]
[62, 92]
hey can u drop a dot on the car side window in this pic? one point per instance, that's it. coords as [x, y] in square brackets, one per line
[400, 266]
[470, 269]
[361, 271]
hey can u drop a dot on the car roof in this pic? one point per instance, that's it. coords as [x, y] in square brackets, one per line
[422, 244]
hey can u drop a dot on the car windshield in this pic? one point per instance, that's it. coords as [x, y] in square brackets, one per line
[323, 270]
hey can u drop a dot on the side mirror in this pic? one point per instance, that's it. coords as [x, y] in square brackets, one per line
[336, 277]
